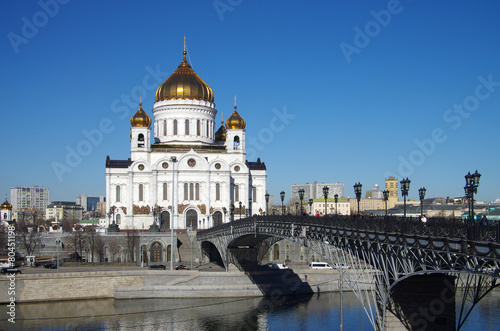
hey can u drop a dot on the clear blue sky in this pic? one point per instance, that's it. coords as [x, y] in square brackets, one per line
[369, 88]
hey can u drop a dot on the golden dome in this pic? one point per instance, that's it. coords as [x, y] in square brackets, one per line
[6, 205]
[220, 135]
[140, 118]
[235, 121]
[184, 83]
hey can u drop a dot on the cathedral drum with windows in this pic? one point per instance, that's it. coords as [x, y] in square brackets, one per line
[191, 174]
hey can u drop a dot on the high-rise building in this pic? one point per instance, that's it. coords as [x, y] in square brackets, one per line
[36, 197]
[315, 191]
[89, 202]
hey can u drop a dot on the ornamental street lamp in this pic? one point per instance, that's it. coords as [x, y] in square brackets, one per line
[310, 206]
[250, 207]
[336, 197]
[325, 195]
[301, 196]
[282, 195]
[241, 209]
[421, 194]
[405, 187]
[471, 184]
[386, 197]
[173, 159]
[267, 203]
[358, 191]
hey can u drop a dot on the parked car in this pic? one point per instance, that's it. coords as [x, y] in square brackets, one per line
[343, 266]
[157, 267]
[182, 267]
[50, 265]
[320, 265]
[11, 271]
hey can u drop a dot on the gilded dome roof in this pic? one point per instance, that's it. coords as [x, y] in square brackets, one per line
[235, 121]
[140, 118]
[220, 135]
[6, 205]
[184, 83]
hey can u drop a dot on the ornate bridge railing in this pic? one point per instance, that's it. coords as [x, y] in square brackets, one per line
[453, 231]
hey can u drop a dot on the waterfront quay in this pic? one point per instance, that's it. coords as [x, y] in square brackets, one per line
[133, 282]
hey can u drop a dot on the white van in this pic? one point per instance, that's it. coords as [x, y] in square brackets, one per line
[320, 265]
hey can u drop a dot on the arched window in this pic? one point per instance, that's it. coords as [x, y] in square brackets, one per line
[140, 140]
[276, 254]
[236, 142]
[164, 191]
[254, 194]
[175, 127]
[185, 191]
[186, 124]
[217, 191]
[197, 191]
[118, 219]
[236, 193]
[198, 128]
[141, 192]
[191, 192]
[117, 193]
[164, 127]
[208, 131]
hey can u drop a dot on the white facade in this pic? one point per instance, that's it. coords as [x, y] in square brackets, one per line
[29, 197]
[209, 173]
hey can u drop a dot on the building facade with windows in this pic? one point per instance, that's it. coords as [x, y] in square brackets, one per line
[60, 210]
[23, 197]
[89, 202]
[315, 191]
[191, 173]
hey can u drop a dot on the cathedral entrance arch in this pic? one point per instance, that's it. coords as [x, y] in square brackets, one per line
[192, 219]
[217, 218]
[165, 220]
[156, 252]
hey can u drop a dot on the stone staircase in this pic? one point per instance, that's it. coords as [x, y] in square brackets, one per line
[184, 250]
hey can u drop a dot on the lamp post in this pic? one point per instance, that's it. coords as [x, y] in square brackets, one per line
[173, 159]
[241, 209]
[250, 207]
[358, 191]
[325, 195]
[405, 187]
[301, 197]
[296, 208]
[471, 184]
[386, 197]
[267, 203]
[310, 206]
[421, 194]
[231, 210]
[336, 197]
[282, 195]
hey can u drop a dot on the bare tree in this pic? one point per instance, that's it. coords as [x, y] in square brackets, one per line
[3, 239]
[99, 245]
[114, 248]
[30, 241]
[132, 244]
[68, 224]
[78, 241]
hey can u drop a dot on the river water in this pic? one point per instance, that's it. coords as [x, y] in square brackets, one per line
[317, 312]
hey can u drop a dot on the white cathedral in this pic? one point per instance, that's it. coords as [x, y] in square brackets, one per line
[190, 175]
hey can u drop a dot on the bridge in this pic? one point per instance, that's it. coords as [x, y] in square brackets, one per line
[400, 269]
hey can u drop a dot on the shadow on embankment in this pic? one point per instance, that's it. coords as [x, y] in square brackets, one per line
[277, 281]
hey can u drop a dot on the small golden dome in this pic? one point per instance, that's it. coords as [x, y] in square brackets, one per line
[184, 83]
[220, 135]
[140, 118]
[235, 121]
[6, 205]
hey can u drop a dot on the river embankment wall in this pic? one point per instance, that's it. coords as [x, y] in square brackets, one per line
[135, 284]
